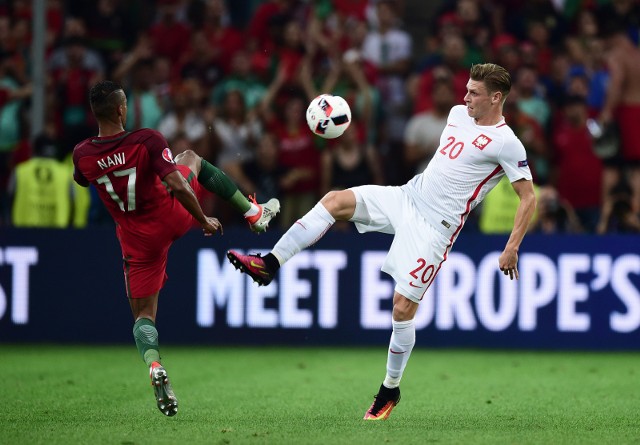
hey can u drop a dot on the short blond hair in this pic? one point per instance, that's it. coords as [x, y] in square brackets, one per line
[495, 77]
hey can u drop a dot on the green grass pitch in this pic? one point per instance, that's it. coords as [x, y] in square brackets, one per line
[102, 395]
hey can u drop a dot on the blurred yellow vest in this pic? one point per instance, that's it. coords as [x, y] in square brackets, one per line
[42, 194]
[499, 208]
[81, 198]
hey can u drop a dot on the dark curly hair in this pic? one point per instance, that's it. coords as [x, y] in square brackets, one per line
[105, 97]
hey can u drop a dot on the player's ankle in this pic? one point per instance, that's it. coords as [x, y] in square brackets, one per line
[271, 262]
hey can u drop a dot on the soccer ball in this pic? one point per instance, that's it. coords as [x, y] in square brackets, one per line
[328, 116]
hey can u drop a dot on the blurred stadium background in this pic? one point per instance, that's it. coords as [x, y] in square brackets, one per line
[231, 80]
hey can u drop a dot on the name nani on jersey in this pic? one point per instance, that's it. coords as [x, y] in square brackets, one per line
[109, 161]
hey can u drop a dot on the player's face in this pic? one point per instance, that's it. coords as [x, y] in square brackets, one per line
[477, 99]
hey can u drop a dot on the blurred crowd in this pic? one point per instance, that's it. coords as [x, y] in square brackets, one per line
[231, 80]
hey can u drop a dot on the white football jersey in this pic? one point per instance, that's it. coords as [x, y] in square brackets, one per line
[470, 160]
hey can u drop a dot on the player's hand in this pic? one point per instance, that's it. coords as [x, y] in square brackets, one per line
[211, 226]
[508, 263]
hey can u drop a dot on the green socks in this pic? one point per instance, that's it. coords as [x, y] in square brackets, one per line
[146, 337]
[216, 181]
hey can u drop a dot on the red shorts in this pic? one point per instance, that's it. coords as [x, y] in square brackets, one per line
[145, 245]
[628, 117]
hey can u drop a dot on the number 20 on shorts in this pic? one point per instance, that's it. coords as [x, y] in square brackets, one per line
[425, 273]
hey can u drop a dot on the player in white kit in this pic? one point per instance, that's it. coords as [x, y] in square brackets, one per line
[477, 148]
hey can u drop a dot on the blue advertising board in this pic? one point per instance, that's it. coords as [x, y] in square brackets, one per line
[574, 292]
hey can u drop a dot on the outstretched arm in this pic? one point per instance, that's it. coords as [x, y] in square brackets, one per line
[508, 261]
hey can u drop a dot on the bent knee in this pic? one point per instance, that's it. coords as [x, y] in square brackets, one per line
[191, 159]
[187, 156]
[403, 308]
[340, 204]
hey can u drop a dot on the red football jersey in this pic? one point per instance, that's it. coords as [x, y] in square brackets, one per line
[127, 171]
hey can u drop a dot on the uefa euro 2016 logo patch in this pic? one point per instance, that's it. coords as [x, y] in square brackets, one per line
[167, 155]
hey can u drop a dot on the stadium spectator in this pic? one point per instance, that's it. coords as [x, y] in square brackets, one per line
[538, 36]
[5, 33]
[42, 188]
[136, 72]
[585, 25]
[498, 208]
[577, 83]
[19, 46]
[555, 84]
[263, 174]
[388, 48]
[599, 76]
[185, 116]
[241, 78]
[296, 146]
[578, 171]
[532, 136]
[162, 81]
[530, 97]
[625, 14]
[224, 40]
[169, 36]
[622, 106]
[201, 63]
[290, 52]
[236, 132]
[267, 25]
[73, 69]
[504, 48]
[520, 15]
[109, 30]
[297, 150]
[350, 162]
[447, 64]
[554, 214]
[23, 18]
[473, 22]
[335, 64]
[13, 96]
[620, 218]
[422, 135]
[588, 68]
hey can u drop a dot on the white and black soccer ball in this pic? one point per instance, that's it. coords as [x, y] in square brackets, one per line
[328, 116]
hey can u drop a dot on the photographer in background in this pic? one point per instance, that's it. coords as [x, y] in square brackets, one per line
[555, 215]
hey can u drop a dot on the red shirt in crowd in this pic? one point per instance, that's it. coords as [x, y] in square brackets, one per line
[579, 169]
[297, 150]
[170, 39]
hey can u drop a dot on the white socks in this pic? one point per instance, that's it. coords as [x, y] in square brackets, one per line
[305, 232]
[402, 340]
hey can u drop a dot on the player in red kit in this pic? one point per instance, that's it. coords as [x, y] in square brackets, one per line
[153, 199]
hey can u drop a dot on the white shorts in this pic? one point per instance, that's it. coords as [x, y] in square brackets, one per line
[417, 251]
